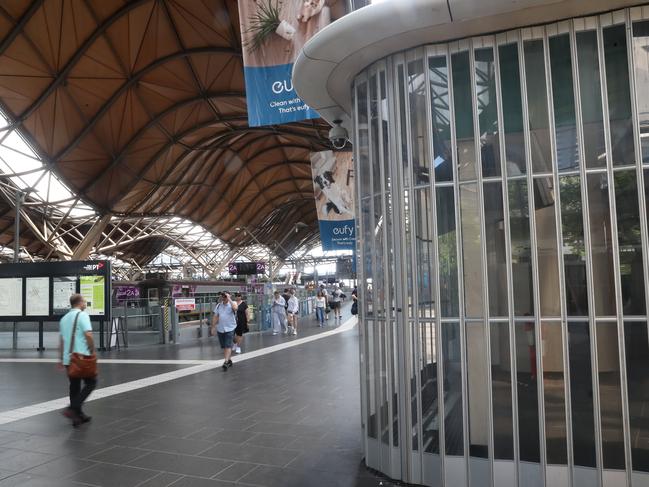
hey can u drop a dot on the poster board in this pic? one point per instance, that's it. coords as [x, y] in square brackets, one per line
[32, 291]
[37, 296]
[11, 296]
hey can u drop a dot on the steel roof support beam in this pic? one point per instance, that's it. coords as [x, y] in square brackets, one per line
[83, 249]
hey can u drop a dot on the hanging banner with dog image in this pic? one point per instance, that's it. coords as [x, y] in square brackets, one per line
[273, 32]
[333, 182]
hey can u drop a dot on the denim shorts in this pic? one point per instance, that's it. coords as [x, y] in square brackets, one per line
[226, 339]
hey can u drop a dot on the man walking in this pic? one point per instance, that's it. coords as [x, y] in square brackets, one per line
[293, 310]
[323, 290]
[76, 321]
[336, 302]
[278, 312]
[225, 322]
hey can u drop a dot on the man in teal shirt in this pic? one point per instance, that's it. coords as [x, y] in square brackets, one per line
[83, 344]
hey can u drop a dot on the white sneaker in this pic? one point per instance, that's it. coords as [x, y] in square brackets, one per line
[275, 333]
[237, 350]
[295, 332]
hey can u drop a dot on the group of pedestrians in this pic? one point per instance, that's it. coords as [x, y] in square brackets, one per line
[285, 311]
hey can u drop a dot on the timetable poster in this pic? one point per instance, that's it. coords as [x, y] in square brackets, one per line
[63, 288]
[37, 296]
[92, 288]
[11, 296]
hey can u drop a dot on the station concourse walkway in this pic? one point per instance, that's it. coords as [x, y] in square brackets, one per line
[170, 416]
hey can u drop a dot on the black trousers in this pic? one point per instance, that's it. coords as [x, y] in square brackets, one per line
[78, 395]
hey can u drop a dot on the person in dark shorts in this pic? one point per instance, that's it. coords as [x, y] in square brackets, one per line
[225, 322]
[242, 322]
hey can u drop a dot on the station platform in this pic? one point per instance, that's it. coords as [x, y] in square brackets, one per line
[286, 414]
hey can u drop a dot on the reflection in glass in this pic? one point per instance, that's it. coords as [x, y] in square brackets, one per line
[592, 117]
[521, 247]
[641, 59]
[574, 252]
[447, 250]
[463, 116]
[554, 393]
[366, 189]
[403, 126]
[377, 240]
[485, 77]
[375, 137]
[630, 245]
[452, 360]
[477, 389]
[429, 381]
[510, 81]
[581, 394]
[610, 395]
[383, 383]
[387, 195]
[395, 370]
[414, 392]
[363, 138]
[526, 385]
[418, 127]
[407, 230]
[637, 375]
[537, 99]
[496, 252]
[501, 392]
[471, 251]
[546, 236]
[619, 97]
[424, 252]
[441, 117]
[601, 245]
[564, 103]
[370, 379]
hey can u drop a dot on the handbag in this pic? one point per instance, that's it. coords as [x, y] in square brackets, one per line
[355, 308]
[81, 366]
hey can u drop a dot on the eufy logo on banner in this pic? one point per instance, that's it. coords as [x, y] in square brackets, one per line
[333, 185]
[273, 32]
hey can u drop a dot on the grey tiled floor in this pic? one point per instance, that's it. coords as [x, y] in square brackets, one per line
[290, 418]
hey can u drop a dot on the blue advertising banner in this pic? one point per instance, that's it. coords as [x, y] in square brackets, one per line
[273, 33]
[271, 97]
[333, 184]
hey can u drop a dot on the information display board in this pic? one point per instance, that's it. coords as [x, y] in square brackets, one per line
[37, 296]
[62, 289]
[11, 296]
[246, 268]
[92, 288]
[42, 290]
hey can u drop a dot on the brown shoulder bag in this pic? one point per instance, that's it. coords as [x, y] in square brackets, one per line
[81, 366]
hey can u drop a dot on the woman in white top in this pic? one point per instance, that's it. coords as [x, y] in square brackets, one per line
[320, 303]
[293, 311]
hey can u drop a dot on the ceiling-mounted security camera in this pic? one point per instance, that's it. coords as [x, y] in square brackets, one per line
[338, 135]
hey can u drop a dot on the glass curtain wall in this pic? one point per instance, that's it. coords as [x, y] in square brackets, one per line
[503, 257]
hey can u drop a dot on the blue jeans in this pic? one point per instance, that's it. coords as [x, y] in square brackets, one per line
[319, 314]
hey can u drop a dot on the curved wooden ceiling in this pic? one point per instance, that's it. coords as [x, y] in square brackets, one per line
[139, 106]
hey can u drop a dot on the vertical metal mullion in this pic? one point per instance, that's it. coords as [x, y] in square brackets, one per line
[508, 250]
[435, 260]
[407, 254]
[535, 270]
[483, 250]
[460, 270]
[389, 322]
[644, 235]
[585, 213]
[401, 346]
[386, 289]
[559, 241]
[436, 277]
[360, 269]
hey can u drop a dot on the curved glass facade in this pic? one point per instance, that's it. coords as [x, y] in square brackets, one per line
[503, 257]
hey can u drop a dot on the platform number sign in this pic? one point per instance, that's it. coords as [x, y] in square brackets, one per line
[246, 268]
